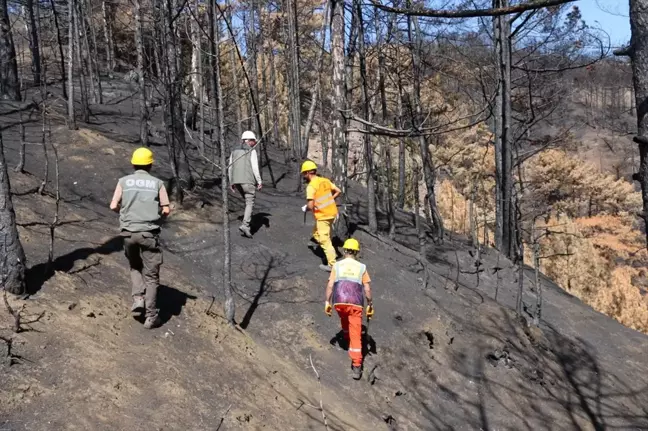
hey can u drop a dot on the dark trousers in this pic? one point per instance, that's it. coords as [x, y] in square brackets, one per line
[145, 258]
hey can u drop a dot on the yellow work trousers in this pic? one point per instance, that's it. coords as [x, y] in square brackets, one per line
[322, 234]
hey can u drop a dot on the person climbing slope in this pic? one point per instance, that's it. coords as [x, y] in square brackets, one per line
[348, 280]
[244, 176]
[142, 200]
[320, 200]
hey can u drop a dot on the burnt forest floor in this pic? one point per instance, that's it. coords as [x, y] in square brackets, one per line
[449, 354]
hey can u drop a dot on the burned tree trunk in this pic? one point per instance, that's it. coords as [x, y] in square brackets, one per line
[9, 83]
[369, 162]
[12, 256]
[339, 142]
[638, 52]
[108, 36]
[34, 44]
[70, 76]
[139, 47]
[293, 75]
[505, 223]
[85, 108]
[59, 41]
[429, 171]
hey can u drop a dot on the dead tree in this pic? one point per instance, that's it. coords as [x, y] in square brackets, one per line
[9, 83]
[70, 75]
[339, 141]
[141, 82]
[34, 44]
[59, 42]
[638, 53]
[14, 260]
[368, 148]
[429, 170]
[300, 149]
[224, 157]
[107, 16]
[83, 89]
[505, 223]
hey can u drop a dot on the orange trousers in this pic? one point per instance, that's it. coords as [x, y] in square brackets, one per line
[351, 320]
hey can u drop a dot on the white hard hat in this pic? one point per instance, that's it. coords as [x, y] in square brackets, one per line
[248, 135]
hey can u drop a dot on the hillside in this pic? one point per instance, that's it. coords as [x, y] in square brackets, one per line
[451, 355]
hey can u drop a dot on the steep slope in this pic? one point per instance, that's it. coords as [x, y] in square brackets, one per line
[449, 356]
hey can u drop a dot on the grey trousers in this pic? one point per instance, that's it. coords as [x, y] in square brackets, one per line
[145, 258]
[247, 192]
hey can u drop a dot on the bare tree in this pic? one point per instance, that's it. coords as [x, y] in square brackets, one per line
[13, 255]
[299, 148]
[339, 141]
[638, 53]
[83, 89]
[141, 80]
[70, 75]
[59, 42]
[107, 16]
[9, 83]
[34, 44]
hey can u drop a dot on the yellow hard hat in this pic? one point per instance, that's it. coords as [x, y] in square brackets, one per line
[351, 244]
[142, 157]
[308, 166]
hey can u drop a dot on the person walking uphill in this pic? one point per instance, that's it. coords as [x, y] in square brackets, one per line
[320, 196]
[348, 279]
[244, 176]
[142, 200]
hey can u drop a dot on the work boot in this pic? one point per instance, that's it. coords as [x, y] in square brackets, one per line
[356, 372]
[152, 322]
[138, 305]
[325, 268]
[245, 231]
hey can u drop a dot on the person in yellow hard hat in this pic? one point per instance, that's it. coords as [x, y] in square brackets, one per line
[142, 200]
[348, 281]
[320, 200]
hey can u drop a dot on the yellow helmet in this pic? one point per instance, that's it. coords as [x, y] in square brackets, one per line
[351, 244]
[308, 166]
[142, 157]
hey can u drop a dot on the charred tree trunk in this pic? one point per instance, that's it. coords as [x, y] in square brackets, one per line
[638, 52]
[293, 73]
[34, 45]
[94, 54]
[108, 36]
[88, 65]
[224, 157]
[141, 82]
[9, 82]
[59, 41]
[339, 141]
[12, 256]
[368, 148]
[315, 92]
[401, 152]
[85, 108]
[429, 171]
[197, 87]
[273, 95]
[505, 223]
[235, 80]
[70, 58]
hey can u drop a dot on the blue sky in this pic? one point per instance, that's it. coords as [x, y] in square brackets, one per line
[610, 15]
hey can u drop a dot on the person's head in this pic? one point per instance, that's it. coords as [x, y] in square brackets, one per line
[248, 137]
[351, 247]
[142, 159]
[308, 170]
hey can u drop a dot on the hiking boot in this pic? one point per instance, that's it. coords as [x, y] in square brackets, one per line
[356, 372]
[325, 268]
[138, 305]
[245, 231]
[152, 322]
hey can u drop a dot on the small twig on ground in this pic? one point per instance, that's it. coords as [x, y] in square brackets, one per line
[223, 417]
[319, 384]
[85, 266]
